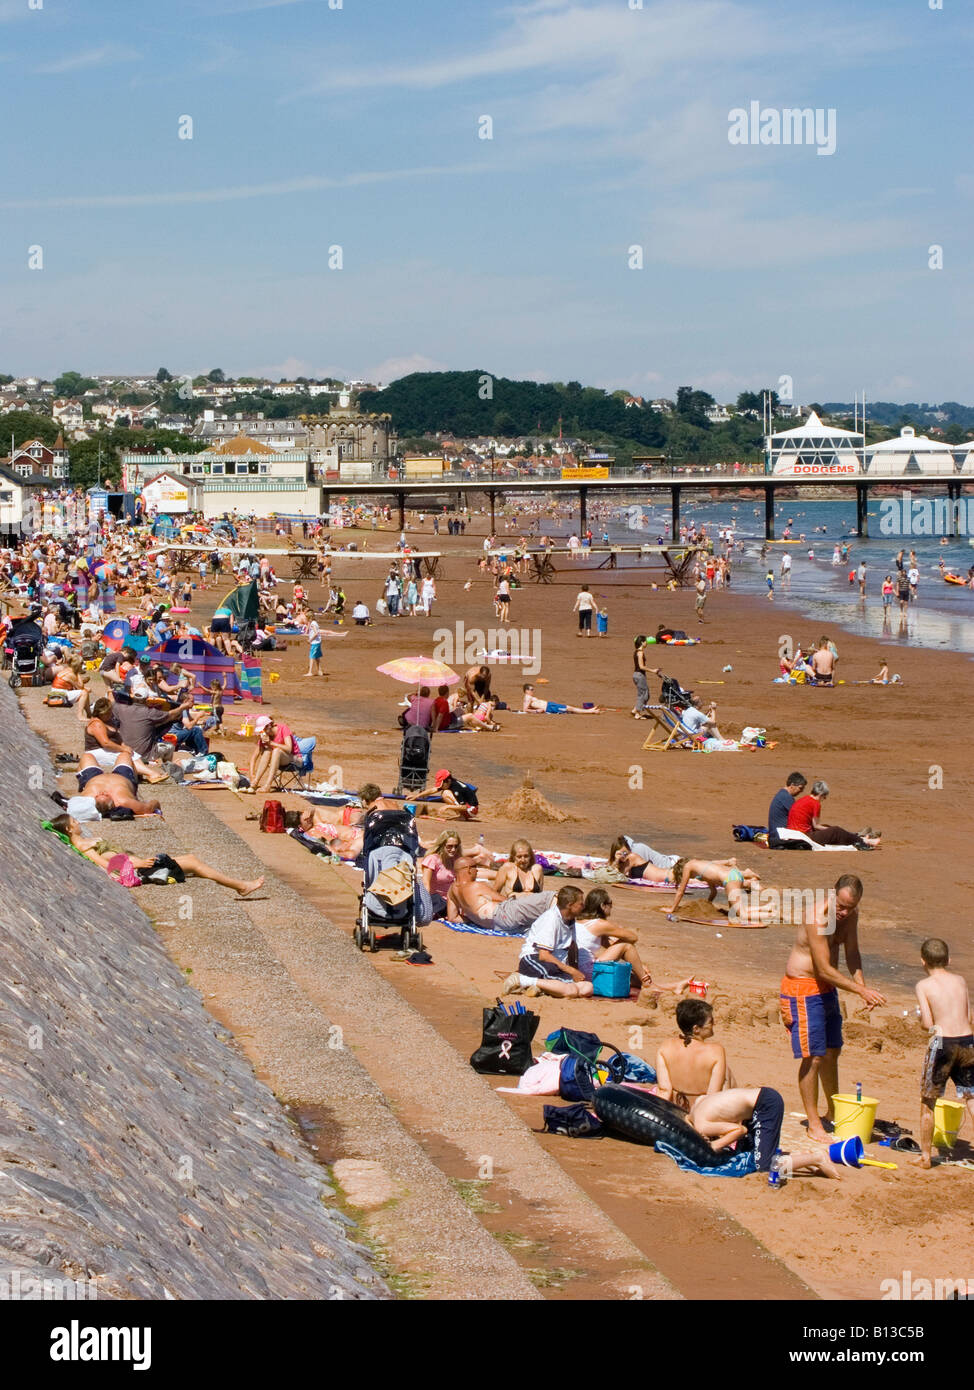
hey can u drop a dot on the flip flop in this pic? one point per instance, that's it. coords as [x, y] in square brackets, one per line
[904, 1144]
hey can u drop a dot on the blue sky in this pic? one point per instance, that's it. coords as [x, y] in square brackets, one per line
[358, 126]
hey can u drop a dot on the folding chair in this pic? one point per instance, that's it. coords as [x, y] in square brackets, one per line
[294, 777]
[672, 732]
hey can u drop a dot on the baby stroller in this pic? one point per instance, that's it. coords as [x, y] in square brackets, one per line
[673, 696]
[22, 650]
[393, 894]
[414, 759]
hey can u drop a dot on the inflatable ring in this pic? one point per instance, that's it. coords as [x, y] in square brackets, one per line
[646, 1118]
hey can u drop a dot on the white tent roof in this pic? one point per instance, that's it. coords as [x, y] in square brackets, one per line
[813, 428]
[908, 442]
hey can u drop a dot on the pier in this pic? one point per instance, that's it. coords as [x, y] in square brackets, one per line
[420, 493]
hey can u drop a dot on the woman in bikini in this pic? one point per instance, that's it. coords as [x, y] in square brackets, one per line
[692, 1065]
[521, 873]
[621, 857]
[736, 882]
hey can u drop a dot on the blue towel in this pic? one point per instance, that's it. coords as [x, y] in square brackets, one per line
[738, 1167]
[475, 931]
[638, 1070]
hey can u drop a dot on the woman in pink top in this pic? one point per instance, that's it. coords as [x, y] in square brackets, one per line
[438, 869]
[276, 748]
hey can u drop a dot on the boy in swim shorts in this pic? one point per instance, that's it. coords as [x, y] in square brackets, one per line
[945, 1009]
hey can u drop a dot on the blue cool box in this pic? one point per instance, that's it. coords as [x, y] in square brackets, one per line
[611, 978]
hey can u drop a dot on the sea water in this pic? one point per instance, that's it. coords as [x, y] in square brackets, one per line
[942, 616]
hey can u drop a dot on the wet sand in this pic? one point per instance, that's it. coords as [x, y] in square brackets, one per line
[880, 750]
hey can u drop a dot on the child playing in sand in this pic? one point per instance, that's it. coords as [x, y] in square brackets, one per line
[752, 1114]
[945, 1009]
[883, 677]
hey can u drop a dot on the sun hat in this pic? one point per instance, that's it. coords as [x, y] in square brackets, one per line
[442, 775]
[262, 723]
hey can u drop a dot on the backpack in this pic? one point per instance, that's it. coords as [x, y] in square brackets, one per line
[272, 818]
[577, 1121]
[581, 1068]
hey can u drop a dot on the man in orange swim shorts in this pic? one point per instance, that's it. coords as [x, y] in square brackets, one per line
[809, 997]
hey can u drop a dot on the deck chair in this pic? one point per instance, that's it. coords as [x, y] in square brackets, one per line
[297, 774]
[670, 731]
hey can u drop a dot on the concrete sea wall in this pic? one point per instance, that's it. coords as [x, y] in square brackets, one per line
[138, 1152]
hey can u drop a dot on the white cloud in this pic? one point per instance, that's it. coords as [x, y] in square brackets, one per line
[311, 183]
[90, 58]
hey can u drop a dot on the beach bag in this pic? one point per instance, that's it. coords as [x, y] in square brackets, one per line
[581, 1070]
[505, 1047]
[611, 979]
[272, 818]
[748, 832]
[577, 1121]
[395, 884]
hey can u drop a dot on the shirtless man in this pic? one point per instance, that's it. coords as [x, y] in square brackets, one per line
[945, 1009]
[823, 663]
[118, 788]
[532, 705]
[692, 1065]
[810, 1001]
[754, 1114]
[471, 901]
[722, 873]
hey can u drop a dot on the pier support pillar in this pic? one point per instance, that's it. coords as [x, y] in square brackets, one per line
[674, 513]
[493, 511]
[862, 510]
[954, 495]
[582, 509]
[769, 514]
[401, 499]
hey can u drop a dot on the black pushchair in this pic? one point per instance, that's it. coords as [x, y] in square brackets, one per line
[393, 894]
[673, 696]
[414, 759]
[22, 649]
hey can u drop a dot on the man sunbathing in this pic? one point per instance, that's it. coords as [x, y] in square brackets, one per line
[470, 900]
[108, 859]
[723, 873]
[823, 663]
[118, 788]
[752, 1114]
[532, 705]
[692, 1065]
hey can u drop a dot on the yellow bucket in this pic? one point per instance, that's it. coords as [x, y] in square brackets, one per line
[854, 1117]
[948, 1116]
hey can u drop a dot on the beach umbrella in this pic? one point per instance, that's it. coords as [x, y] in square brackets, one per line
[418, 670]
[116, 634]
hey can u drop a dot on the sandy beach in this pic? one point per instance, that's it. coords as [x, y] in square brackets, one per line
[879, 748]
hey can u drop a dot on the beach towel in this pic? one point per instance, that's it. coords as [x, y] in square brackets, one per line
[468, 930]
[738, 1167]
[800, 836]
